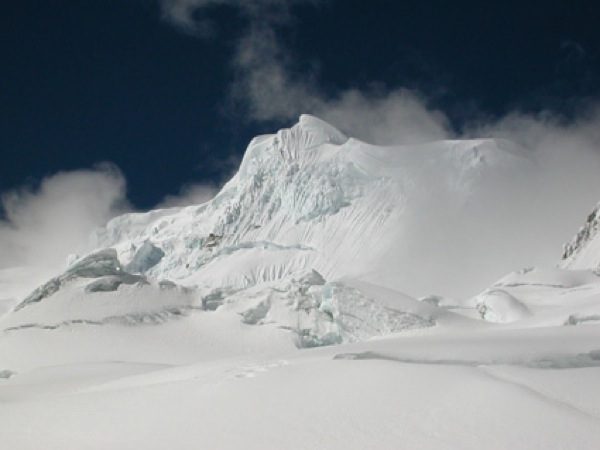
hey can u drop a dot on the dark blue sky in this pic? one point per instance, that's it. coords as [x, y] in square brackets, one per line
[109, 80]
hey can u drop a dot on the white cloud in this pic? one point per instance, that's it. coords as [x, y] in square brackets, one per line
[44, 224]
[392, 117]
[267, 88]
[197, 193]
[190, 194]
[192, 15]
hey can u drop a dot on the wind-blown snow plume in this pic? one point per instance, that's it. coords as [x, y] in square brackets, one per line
[43, 225]
[269, 91]
[190, 194]
[197, 193]
[564, 181]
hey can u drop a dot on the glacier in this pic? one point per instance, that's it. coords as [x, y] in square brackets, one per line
[334, 294]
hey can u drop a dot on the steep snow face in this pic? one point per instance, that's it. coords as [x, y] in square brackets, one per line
[310, 198]
[583, 252]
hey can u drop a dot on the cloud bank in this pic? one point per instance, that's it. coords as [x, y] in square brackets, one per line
[521, 214]
[43, 224]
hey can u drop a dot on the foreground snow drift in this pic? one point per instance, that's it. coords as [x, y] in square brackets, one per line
[427, 390]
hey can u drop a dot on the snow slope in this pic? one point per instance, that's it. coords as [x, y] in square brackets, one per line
[283, 314]
[194, 384]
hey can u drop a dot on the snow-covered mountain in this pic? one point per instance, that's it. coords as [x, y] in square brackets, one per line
[311, 198]
[284, 313]
[310, 214]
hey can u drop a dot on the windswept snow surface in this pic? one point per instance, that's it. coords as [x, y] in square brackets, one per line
[205, 382]
[282, 314]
